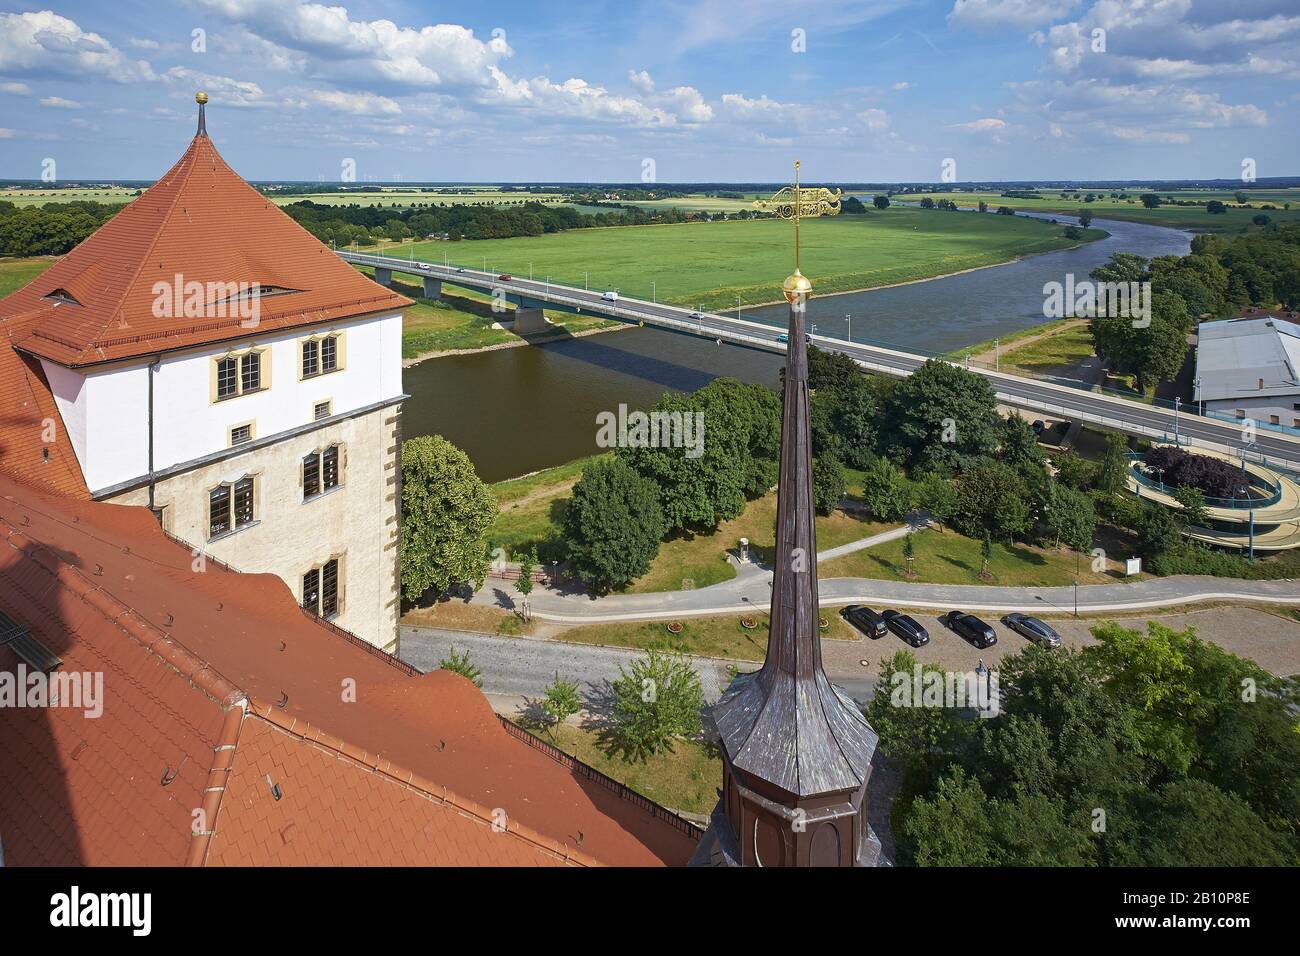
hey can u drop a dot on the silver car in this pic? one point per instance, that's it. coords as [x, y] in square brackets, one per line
[1031, 627]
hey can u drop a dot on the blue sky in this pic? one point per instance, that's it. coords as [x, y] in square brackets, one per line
[706, 90]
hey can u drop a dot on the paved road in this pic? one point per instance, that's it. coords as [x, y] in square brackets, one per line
[1040, 397]
[518, 668]
[752, 588]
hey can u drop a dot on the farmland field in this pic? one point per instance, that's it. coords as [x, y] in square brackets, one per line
[1194, 218]
[687, 262]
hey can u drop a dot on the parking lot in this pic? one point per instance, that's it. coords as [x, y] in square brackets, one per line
[1272, 640]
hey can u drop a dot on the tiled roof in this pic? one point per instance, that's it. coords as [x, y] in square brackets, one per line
[201, 222]
[29, 418]
[218, 688]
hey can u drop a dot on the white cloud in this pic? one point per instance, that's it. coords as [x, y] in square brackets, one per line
[876, 121]
[362, 104]
[641, 81]
[989, 124]
[904, 85]
[18, 89]
[58, 102]
[224, 90]
[45, 43]
[1134, 134]
[142, 44]
[991, 15]
[6, 133]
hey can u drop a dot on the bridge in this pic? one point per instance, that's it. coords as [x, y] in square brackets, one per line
[1276, 448]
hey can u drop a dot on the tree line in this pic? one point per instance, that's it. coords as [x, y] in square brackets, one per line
[50, 229]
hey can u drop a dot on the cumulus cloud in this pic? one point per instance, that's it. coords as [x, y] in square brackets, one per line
[990, 124]
[18, 89]
[58, 102]
[992, 15]
[46, 44]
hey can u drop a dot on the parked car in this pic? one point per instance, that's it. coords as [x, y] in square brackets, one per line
[906, 627]
[1031, 627]
[971, 628]
[1039, 426]
[504, 277]
[865, 620]
[609, 296]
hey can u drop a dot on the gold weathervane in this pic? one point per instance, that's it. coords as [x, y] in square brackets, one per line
[797, 202]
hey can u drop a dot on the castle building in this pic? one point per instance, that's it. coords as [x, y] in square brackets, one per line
[203, 355]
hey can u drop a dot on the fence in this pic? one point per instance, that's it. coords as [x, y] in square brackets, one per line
[591, 773]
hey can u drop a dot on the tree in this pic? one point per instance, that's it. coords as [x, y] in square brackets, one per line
[462, 665]
[1152, 351]
[525, 583]
[446, 513]
[1215, 207]
[1193, 502]
[885, 491]
[1019, 447]
[936, 495]
[561, 701]
[986, 553]
[656, 700]
[909, 552]
[828, 483]
[1114, 464]
[941, 417]
[880, 202]
[613, 524]
[1150, 200]
[1121, 267]
[1075, 471]
[1158, 531]
[844, 410]
[852, 206]
[1085, 218]
[992, 498]
[1070, 517]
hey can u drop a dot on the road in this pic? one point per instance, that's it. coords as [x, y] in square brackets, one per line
[516, 669]
[1048, 399]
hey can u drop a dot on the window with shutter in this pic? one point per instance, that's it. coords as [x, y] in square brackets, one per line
[243, 502]
[218, 511]
[329, 592]
[330, 466]
[311, 590]
[310, 476]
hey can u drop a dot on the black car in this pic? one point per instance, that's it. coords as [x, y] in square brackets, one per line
[906, 627]
[1031, 627]
[971, 628]
[865, 620]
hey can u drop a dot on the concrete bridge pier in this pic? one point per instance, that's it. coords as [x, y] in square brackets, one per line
[432, 288]
[383, 276]
[529, 321]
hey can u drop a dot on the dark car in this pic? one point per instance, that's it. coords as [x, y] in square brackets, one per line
[1031, 627]
[971, 628]
[865, 620]
[906, 627]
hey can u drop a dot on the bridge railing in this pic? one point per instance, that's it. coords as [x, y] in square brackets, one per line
[1244, 502]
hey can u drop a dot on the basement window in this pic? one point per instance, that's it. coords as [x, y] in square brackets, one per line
[31, 651]
[324, 410]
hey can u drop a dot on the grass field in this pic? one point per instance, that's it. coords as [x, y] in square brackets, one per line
[1193, 218]
[16, 273]
[1060, 352]
[710, 264]
[531, 509]
[723, 636]
[39, 197]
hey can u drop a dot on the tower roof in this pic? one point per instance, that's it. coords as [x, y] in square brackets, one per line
[200, 223]
[787, 724]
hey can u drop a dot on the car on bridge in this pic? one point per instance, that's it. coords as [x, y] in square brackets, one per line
[1040, 632]
[971, 628]
[697, 315]
[865, 620]
[504, 277]
[906, 627]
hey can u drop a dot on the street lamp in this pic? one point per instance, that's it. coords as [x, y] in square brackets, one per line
[1177, 402]
[654, 296]
[1076, 597]
[737, 308]
[584, 281]
[849, 318]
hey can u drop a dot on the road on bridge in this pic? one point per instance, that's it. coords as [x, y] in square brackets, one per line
[1039, 397]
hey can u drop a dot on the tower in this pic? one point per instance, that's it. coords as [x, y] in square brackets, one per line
[796, 750]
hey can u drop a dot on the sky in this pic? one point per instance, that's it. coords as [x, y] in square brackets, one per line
[662, 91]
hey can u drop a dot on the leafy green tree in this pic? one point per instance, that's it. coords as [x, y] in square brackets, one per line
[937, 495]
[1114, 464]
[1019, 447]
[942, 417]
[916, 738]
[613, 524]
[880, 202]
[560, 702]
[992, 497]
[462, 665]
[828, 483]
[844, 409]
[1121, 267]
[446, 513]
[1070, 517]
[909, 551]
[885, 491]
[1075, 471]
[1153, 352]
[657, 699]
[1193, 501]
[1158, 531]
[525, 583]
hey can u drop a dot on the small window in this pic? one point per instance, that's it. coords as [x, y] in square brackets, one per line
[250, 372]
[241, 434]
[227, 383]
[1275, 419]
[320, 472]
[320, 589]
[329, 354]
[323, 410]
[320, 356]
[310, 359]
[1241, 413]
[230, 507]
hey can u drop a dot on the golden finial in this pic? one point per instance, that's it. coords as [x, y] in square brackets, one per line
[200, 97]
[798, 203]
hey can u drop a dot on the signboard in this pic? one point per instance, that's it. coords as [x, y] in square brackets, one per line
[1133, 566]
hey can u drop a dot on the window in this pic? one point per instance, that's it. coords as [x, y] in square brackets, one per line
[321, 355]
[240, 374]
[320, 589]
[1275, 419]
[320, 472]
[322, 410]
[241, 434]
[230, 507]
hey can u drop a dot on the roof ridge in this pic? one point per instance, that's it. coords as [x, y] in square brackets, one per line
[403, 776]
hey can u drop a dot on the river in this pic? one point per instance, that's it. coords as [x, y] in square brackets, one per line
[518, 410]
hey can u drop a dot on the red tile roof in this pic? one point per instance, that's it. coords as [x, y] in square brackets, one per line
[202, 222]
[219, 685]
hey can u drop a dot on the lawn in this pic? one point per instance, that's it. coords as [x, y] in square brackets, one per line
[684, 779]
[532, 508]
[1193, 218]
[945, 557]
[39, 197]
[1059, 353]
[722, 636]
[686, 261]
[16, 273]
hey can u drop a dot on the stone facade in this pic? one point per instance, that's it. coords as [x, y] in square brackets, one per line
[357, 522]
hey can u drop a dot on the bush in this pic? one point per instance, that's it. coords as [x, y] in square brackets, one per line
[1213, 476]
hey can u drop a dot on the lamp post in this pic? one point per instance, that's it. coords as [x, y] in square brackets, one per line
[849, 319]
[997, 355]
[654, 295]
[584, 281]
[1076, 598]
[1177, 402]
[737, 308]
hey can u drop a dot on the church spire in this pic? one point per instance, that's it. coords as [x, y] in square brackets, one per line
[202, 99]
[796, 750]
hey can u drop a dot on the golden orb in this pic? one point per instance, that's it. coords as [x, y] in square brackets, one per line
[200, 97]
[796, 286]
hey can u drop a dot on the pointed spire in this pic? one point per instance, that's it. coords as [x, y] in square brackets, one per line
[202, 99]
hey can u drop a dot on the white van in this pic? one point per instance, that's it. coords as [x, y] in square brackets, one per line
[610, 296]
